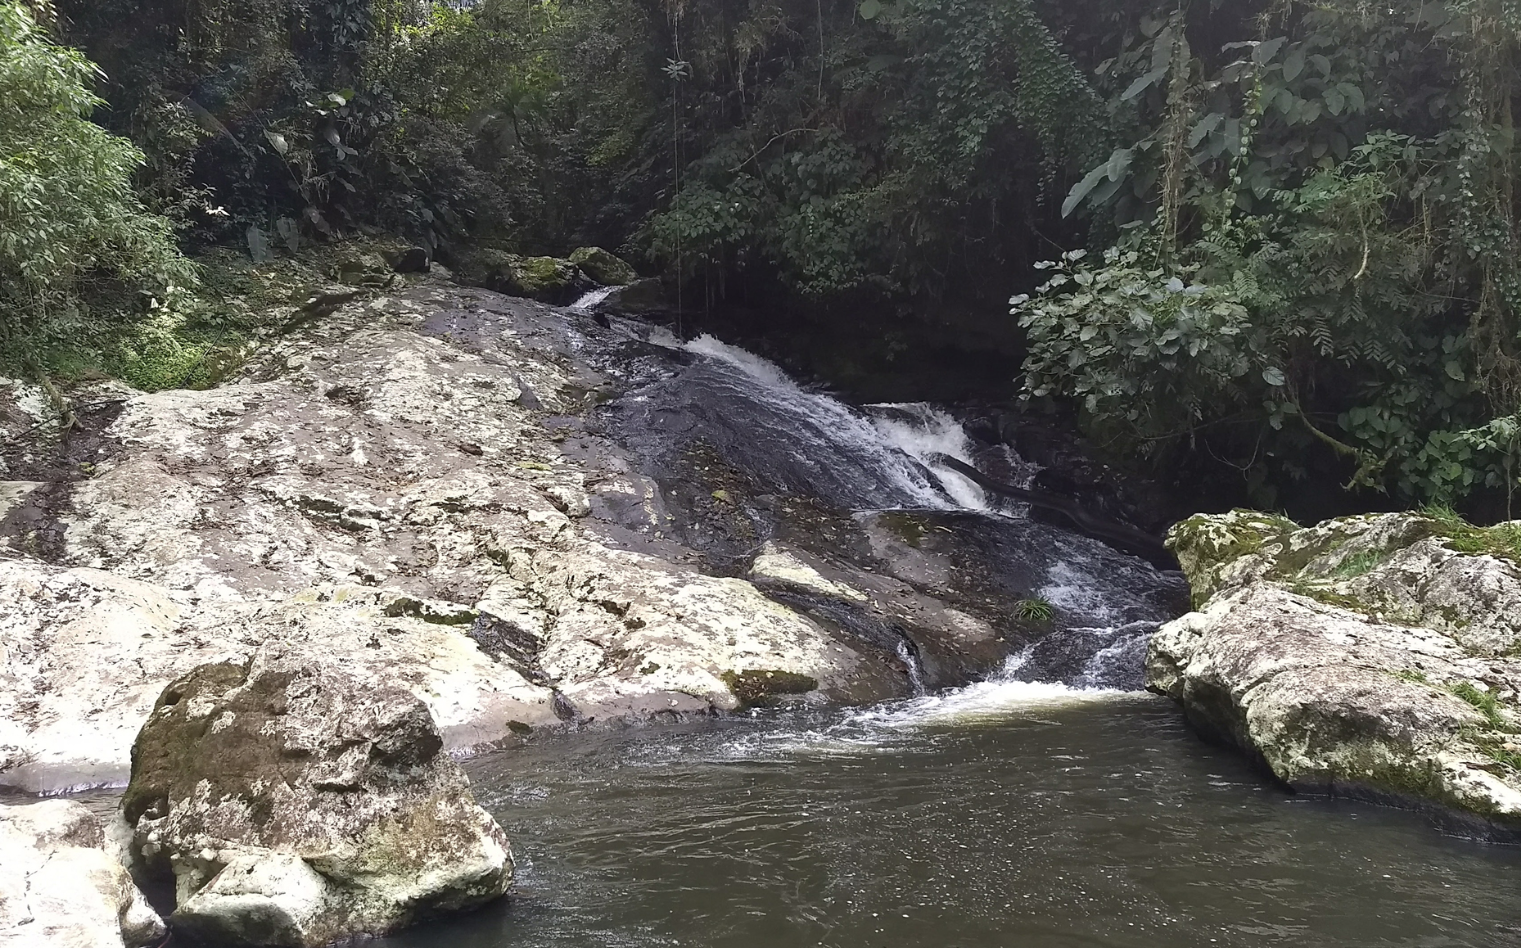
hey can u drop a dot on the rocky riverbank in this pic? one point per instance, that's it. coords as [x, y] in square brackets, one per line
[1376, 657]
[525, 518]
[512, 515]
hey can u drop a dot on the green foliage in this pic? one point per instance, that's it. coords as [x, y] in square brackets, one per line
[1338, 179]
[1145, 352]
[1359, 564]
[1502, 540]
[871, 155]
[68, 215]
[1484, 702]
[1035, 609]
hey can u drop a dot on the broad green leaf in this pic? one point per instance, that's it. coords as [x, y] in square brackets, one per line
[1119, 162]
[1335, 100]
[1083, 188]
[1203, 127]
[869, 9]
[1293, 65]
[1273, 377]
[1143, 83]
[1267, 49]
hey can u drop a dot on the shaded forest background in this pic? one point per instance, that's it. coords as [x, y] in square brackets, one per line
[1266, 243]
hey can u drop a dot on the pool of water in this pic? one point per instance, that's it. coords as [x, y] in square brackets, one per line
[1005, 814]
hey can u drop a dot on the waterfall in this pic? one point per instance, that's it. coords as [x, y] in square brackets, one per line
[588, 301]
[795, 439]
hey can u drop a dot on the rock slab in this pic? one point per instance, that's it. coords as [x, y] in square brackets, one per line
[1364, 657]
[62, 887]
[293, 805]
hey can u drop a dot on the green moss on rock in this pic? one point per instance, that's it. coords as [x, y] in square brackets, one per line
[547, 279]
[1206, 544]
[909, 528]
[603, 267]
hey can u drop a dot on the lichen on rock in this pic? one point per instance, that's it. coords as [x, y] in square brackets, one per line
[1362, 656]
[63, 886]
[547, 279]
[294, 805]
[604, 267]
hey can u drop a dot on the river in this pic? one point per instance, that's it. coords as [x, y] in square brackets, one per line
[1002, 814]
[1052, 805]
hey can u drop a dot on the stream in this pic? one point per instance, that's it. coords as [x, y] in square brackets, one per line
[1001, 814]
[1050, 803]
[1054, 804]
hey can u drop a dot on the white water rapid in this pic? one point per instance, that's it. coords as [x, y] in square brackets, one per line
[885, 457]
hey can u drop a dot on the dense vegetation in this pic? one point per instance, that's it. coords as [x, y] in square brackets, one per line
[1280, 236]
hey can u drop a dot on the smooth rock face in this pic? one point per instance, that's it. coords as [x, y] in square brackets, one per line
[383, 492]
[1361, 656]
[294, 804]
[61, 887]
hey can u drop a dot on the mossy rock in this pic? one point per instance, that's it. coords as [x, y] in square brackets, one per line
[767, 688]
[1206, 544]
[603, 267]
[547, 279]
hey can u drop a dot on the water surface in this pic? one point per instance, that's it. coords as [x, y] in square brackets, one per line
[1004, 814]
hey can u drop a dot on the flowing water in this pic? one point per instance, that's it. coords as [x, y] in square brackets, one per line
[1005, 813]
[1054, 806]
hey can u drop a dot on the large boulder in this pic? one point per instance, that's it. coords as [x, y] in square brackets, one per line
[604, 267]
[62, 886]
[385, 491]
[546, 279]
[1374, 656]
[85, 653]
[294, 804]
[642, 298]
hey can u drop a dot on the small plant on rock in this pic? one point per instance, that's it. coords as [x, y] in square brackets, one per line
[1035, 609]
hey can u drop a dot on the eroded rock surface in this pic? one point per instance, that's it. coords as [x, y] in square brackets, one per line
[294, 804]
[62, 886]
[389, 489]
[522, 516]
[1363, 656]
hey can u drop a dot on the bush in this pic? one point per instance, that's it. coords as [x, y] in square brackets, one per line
[68, 214]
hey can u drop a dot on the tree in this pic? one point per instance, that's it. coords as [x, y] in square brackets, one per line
[68, 213]
[1330, 190]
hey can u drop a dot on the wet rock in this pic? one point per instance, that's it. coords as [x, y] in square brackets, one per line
[639, 298]
[325, 502]
[294, 804]
[62, 886]
[1362, 656]
[603, 267]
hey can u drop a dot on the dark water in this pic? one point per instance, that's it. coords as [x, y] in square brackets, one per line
[1002, 815]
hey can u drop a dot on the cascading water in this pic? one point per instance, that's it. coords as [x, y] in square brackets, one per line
[589, 301]
[888, 457]
[1056, 811]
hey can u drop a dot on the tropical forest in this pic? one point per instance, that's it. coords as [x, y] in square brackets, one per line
[858, 473]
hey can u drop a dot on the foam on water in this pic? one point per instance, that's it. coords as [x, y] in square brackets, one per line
[898, 441]
[889, 727]
[589, 301]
